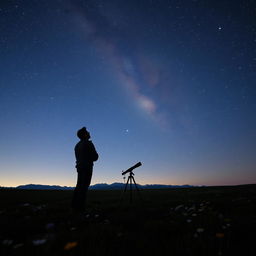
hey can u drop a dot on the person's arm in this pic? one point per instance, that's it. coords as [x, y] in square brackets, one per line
[94, 153]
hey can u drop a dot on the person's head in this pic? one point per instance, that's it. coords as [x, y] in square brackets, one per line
[83, 134]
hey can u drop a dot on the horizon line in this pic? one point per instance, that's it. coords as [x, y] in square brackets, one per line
[152, 184]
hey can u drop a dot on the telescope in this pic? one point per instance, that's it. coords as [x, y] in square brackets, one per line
[131, 168]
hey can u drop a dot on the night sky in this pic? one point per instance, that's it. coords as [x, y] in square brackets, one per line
[169, 83]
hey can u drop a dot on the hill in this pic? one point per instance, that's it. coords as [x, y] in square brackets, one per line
[99, 186]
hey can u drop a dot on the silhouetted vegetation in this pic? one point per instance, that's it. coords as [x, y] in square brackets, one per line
[182, 221]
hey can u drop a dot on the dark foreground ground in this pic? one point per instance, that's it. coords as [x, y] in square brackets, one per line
[185, 221]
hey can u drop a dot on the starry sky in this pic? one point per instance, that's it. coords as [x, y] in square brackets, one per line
[169, 83]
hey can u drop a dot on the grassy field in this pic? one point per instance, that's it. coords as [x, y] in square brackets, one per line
[184, 221]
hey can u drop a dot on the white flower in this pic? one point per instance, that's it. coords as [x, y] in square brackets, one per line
[178, 207]
[189, 220]
[106, 221]
[200, 230]
[7, 242]
[39, 242]
[191, 209]
[16, 246]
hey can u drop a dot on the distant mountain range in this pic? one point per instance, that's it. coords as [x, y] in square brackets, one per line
[100, 186]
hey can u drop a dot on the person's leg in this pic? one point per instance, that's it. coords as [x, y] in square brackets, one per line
[78, 192]
[87, 182]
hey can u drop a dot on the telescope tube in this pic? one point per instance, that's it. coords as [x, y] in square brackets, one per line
[131, 168]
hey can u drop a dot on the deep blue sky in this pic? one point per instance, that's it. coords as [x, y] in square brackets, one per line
[169, 83]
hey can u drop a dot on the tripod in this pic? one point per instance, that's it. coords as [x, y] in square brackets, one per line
[129, 182]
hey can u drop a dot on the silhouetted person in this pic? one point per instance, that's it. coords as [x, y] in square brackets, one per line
[85, 156]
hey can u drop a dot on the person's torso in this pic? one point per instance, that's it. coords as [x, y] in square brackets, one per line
[84, 151]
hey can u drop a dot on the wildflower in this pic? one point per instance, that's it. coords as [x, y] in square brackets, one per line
[70, 245]
[220, 216]
[195, 235]
[106, 221]
[178, 207]
[7, 242]
[51, 236]
[194, 214]
[189, 220]
[16, 246]
[119, 234]
[219, 235]
[200, 230]
[96, 216]
[49, 225]
[191, 209]
[39, 242]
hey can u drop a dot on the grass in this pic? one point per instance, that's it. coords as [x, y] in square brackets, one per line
[182, 221]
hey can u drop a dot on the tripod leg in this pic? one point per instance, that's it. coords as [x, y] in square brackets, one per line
[130, 177]
[138, 191]
[126, 185]
[125, 188]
